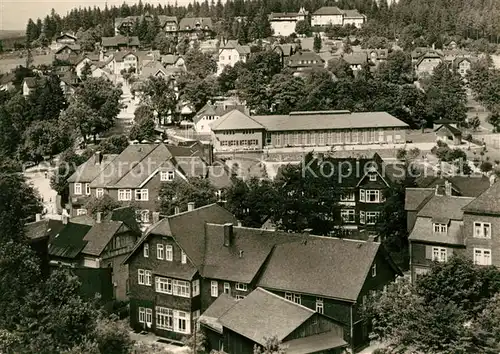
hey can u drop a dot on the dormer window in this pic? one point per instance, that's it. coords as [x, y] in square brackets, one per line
[440, 228]
[373, 177]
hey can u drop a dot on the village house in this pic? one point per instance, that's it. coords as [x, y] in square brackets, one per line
[212, 112]
[196, 27]
[241, 325]
[303, 62]
[136, 176]
[285, 51]
[427, 62]
[283, 23]
[448, 134]
[463, 65]
[174, 61]
[187, 260]
[68, 52]
[92, 59]
[332, 15]
[7, 81]
[230, 53]
[237, 131]
[100, 244]
[120, 42]
[377, 56]
[62, 40]
[356, 61]
[124, 25]
[30, 84]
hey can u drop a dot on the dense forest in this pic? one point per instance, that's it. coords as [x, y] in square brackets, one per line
[432, 20]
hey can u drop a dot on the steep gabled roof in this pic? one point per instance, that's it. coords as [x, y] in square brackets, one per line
[219, 307]
[235, 120]
[340, 274]
[328, 11]
[69, 242]
[352, 14]
[43, 228]
[262, 314]
[443, 207]
[487, 203]
[233, 44]
[89, 170]
[415, 197]
[99, 236]
[192, 22]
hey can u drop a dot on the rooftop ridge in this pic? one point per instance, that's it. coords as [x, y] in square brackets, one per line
[298, 113]
[285, 300]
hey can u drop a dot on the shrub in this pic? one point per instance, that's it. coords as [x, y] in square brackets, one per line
[486, 166]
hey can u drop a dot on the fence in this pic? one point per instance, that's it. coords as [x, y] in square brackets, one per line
[491, 139]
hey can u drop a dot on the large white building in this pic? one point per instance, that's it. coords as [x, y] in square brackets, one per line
[283, 23]
[332, 15]
[231, 53]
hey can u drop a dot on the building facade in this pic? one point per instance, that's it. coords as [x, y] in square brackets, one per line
[284, 23]
[231, 53]
[333, 16]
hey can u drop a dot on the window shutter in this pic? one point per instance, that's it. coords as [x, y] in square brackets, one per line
[428, 252]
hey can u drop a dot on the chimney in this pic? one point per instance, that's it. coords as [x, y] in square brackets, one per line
[98, 157]
[177, 210]
[190, 206]
[447, 188]
[156, 217]
[98, 217]
[38, 217]
[228, 234]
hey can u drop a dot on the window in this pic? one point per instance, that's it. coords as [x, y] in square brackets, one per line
[372, 217]
[140, 279]
[163, 285]
[372, 196]
[81, 211]
[319, 305]
[181, 288]
[142, 216]
[142, 314]
[149, 316]
[196, 287]
[99, 192]
[164, 318]
[241, 287]
[296, 298]
[196, 316]
[147, 277]
[440, 228]
[78, 188]
[348, 215]
[160, 252]
[214, 290]
[362, 216]
[227, 288]
[169, 253]
[373, 177]
[124, 194]
[347, 197]
[167, 176]
[289, 296]
[87, 188]
[361, 195]
[145, 249]
[142, 194]
[482, 230]
[239, 297]
[439, 254]
[181, 322]
[482, 256]
[183, 257]
[374, 270]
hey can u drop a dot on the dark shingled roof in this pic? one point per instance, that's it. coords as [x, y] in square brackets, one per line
[191, 22]
[466, 186]
[262, 314]
[70, 241]
[423, 230]
[188, 230]
[89, 170]
[415, 197]
[99, 236]
[487, 203]
[442, 207]
[43, 228]
[341, 274]
[120, 41]
[451, 129]
[225, 262]
[219, 307]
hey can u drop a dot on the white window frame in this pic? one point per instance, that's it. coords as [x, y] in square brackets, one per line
[142, 216]
[142, 315]
[480, 228]
[361, 195]
[482, 256]
[141, 279]
[81, 211]
[348, 197]
[195, 285]
[149, 315]
[439, 254]
[297, 299]
[371, 214]
[78, 189]
[163, 285]
[214, 288]
[99, 192]
[160, 251]
[372, 192]
[320, 308]
[241, 287]
[227, 288]
[346, 214]
[164, 318]
[169, 253]
[145, 250]
[181, 288]
[183, 257]
[373, 177]
[142, 195]
[362, 217]
[289, 296]
[87, 188]
[166, 176]
[439, 228]
[148, 277]
[124, 195]
[374, 270]
[185, 317]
